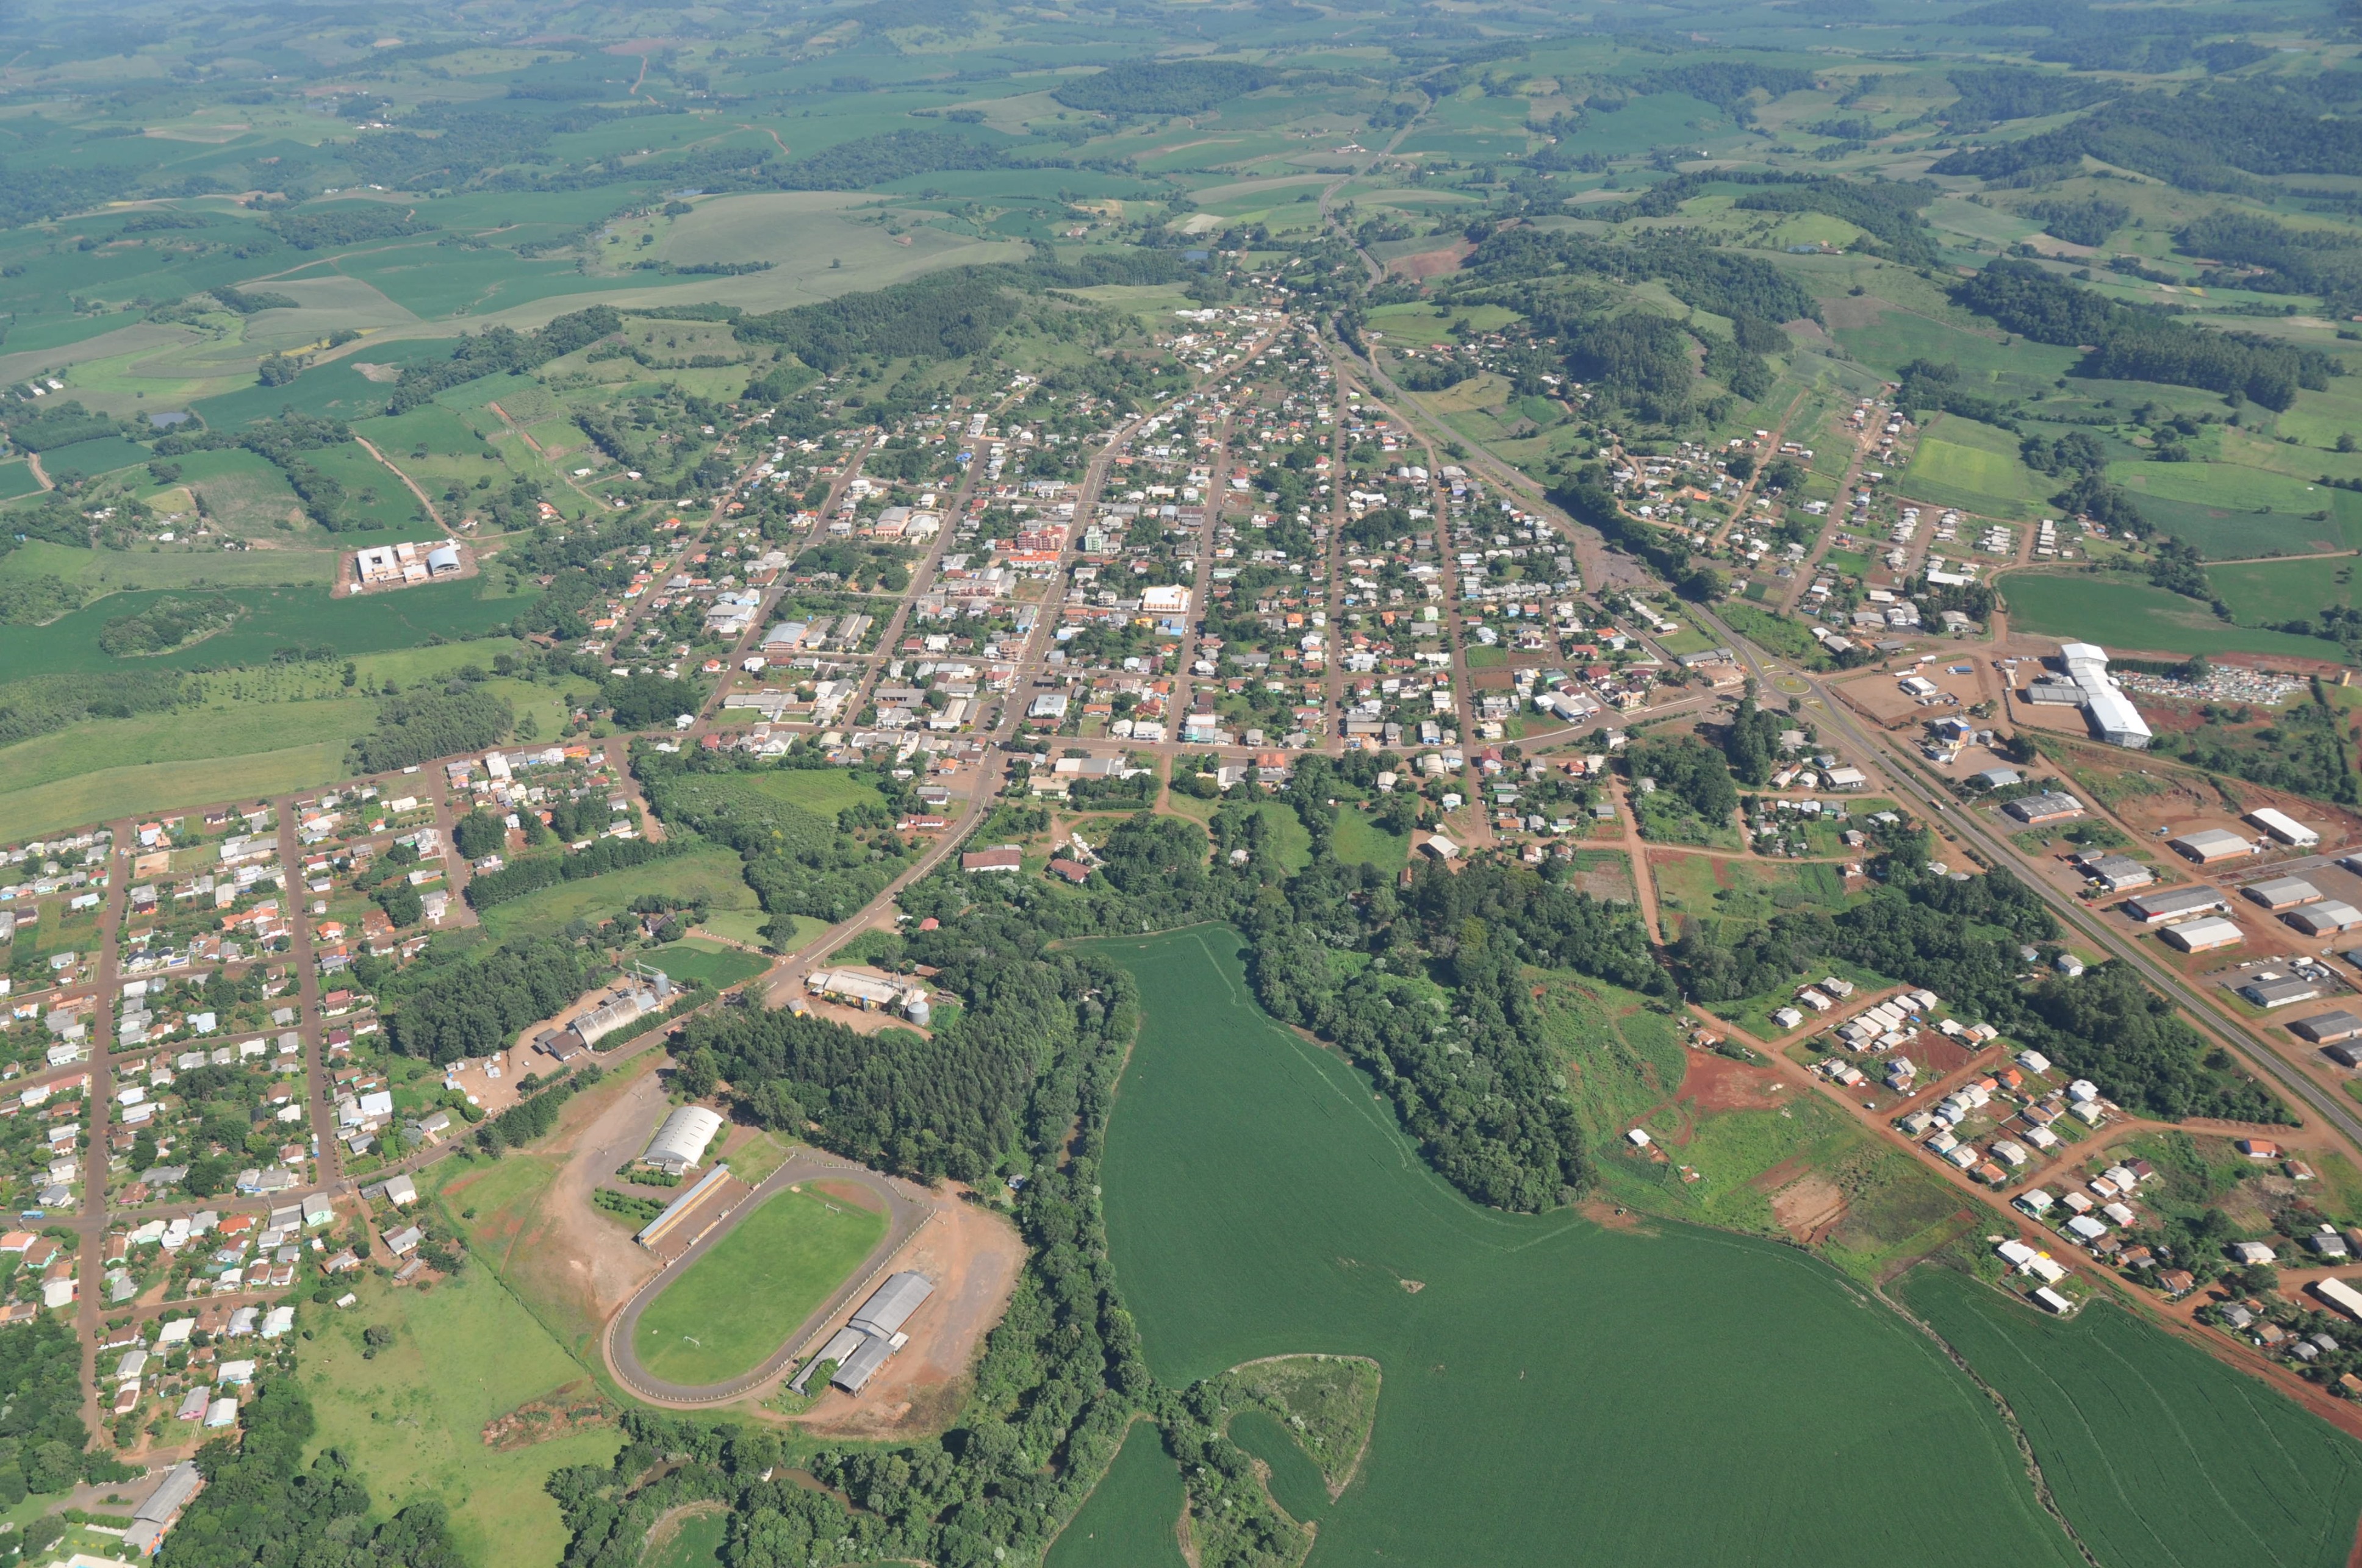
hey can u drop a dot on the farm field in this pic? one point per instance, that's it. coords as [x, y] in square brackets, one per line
[2124, 616]
[138, 788]
[411, 1419]
[822, 790]
[709, 873]
[2273, 591]
[1974, 466]
[2159, 1454]
[166, 745]
[1129, 1520]
[270, 618]
[1501, 1447]
[738, 1303]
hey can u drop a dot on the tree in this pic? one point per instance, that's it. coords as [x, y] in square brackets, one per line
[696, 1074]
[480, 833]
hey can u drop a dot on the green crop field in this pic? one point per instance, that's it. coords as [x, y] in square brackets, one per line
[121, 749]
[411, 1418]
[2160, 1454]
[711, 875]
[1261, 1201]
[716, 963]
[738, 1303]
[1975, 467]
[138, 788]
[2124, 616]
[1129, 1520]
[270, 619]
[2264, 592]
[2235, 533]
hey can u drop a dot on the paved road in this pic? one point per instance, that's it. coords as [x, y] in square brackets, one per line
[905, 1214]
[1904, 776]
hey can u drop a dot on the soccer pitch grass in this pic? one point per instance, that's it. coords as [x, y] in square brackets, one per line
[2160, 1455]
[739, 1302]
[1261, 1201]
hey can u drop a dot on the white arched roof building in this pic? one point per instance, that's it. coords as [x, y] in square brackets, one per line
[680, 1141]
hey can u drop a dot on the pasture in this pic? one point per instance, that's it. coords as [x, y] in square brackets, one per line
[1504, 1447]
[737, 1305]
[1359, 839]
[411, 1418]
[2126, 616]
[821, 790]
[1129, 1519]
[2160, 1454]
[711, 875]
[138, 788]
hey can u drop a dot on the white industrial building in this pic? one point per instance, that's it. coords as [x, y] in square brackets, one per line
[2111, 714]
[680, 1141]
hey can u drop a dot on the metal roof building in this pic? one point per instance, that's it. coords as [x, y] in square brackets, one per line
[2111, 712]
[2199, 935]
[2282, 826]
[2328, 1028]
[863, 1365]
[680, 1141]
[2283, 892]
[2173, 903]
[890, 1307]
[2209, 844]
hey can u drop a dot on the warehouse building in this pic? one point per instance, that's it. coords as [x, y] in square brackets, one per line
[680, 1142]
[2325, 919]
[2328, 1028]
[2282, 893]
[2268, 994]
[2202, 935]
[2174, 904]
[2116, 873]
[872, 1334]
[2111, 714]
[2285, 828]
[2051, 806]
[2208, 845]
[163, 1509]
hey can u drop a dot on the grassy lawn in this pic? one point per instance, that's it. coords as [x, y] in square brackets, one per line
[739, 1302]
[711, 874]
[824, 791]
[1360, 838]
[410, 1418]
